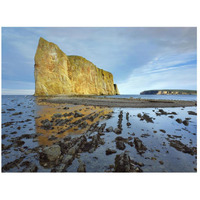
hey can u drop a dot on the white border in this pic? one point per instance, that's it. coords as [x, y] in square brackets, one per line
[104, 13]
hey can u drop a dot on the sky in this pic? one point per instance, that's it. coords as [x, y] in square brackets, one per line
[139, 58]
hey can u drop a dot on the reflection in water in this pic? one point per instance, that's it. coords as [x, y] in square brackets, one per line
[171, 146]
[46, 111]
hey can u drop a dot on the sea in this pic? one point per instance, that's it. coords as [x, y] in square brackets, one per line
[167, 97]
[156, 136]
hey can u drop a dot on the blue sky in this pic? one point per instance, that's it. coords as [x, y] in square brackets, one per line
[139, 58]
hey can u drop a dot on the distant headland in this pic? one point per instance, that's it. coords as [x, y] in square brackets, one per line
[169, 92]
[59, 74]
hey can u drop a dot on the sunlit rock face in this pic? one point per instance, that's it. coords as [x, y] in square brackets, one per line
[56, 73]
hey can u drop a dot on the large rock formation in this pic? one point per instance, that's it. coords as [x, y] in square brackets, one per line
[56, 73]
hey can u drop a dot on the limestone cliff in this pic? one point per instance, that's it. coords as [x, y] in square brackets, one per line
[56, 73]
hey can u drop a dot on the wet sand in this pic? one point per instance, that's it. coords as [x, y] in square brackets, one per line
[116, 102]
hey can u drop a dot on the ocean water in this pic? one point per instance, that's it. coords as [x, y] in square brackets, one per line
[156, 141]
[167, 97]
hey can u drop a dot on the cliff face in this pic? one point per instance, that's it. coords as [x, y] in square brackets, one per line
[56, 73]
[170, 92]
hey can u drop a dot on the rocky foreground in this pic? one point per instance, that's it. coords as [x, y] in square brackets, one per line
[90, 138]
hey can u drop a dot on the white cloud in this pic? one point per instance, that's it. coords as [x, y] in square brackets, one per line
[161, 73]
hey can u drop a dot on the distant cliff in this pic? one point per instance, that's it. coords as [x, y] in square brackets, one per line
[56, 73]
[170, 92]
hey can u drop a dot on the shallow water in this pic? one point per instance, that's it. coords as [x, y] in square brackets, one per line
[157, 143]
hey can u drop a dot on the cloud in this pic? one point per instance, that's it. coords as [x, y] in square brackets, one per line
[128, 53]
[163, 74]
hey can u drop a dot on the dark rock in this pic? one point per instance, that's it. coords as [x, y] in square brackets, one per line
[15, 132]
[119, 138]
[179, 120]
[147, 118]
[67, 138]
[94, 127]
[185, 122]
[110, 151]
[102, 127]
[57, 115]
[162, 130]
[162, 112]
[127, 116]
[161, 162]
[171, 116]
[12, 164]
[123, 163]
[18, 143]
[67, 159]
[11, 109]
[145, 135]
[139, 145]
[178, 145]
[31, 168]
[120, 145]
[92, 117]
[28, 136]
[117, 131]
[61, 122]
[128, 123]
[83, 125]
[109, 129]
[7, 124]
[130, 143]
[17, 113]
[139, 115]
[46, 124]
[78, 114]
[158, 114]
[27, 120]
[81, 167]
[173, 113]
[59, 168]
[4, 136]
[73, 150]
[52, 137]
[188, 118]
[53, 152]
[68, 114]
[192, 113]
[108, 116]
[66, 108]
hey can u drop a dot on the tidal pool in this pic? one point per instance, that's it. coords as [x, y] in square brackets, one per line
[171, 145]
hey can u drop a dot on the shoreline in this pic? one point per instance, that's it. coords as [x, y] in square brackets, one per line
[118, 102]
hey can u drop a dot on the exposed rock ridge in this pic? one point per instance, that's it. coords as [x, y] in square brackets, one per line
[170, 92]
[56, 73]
